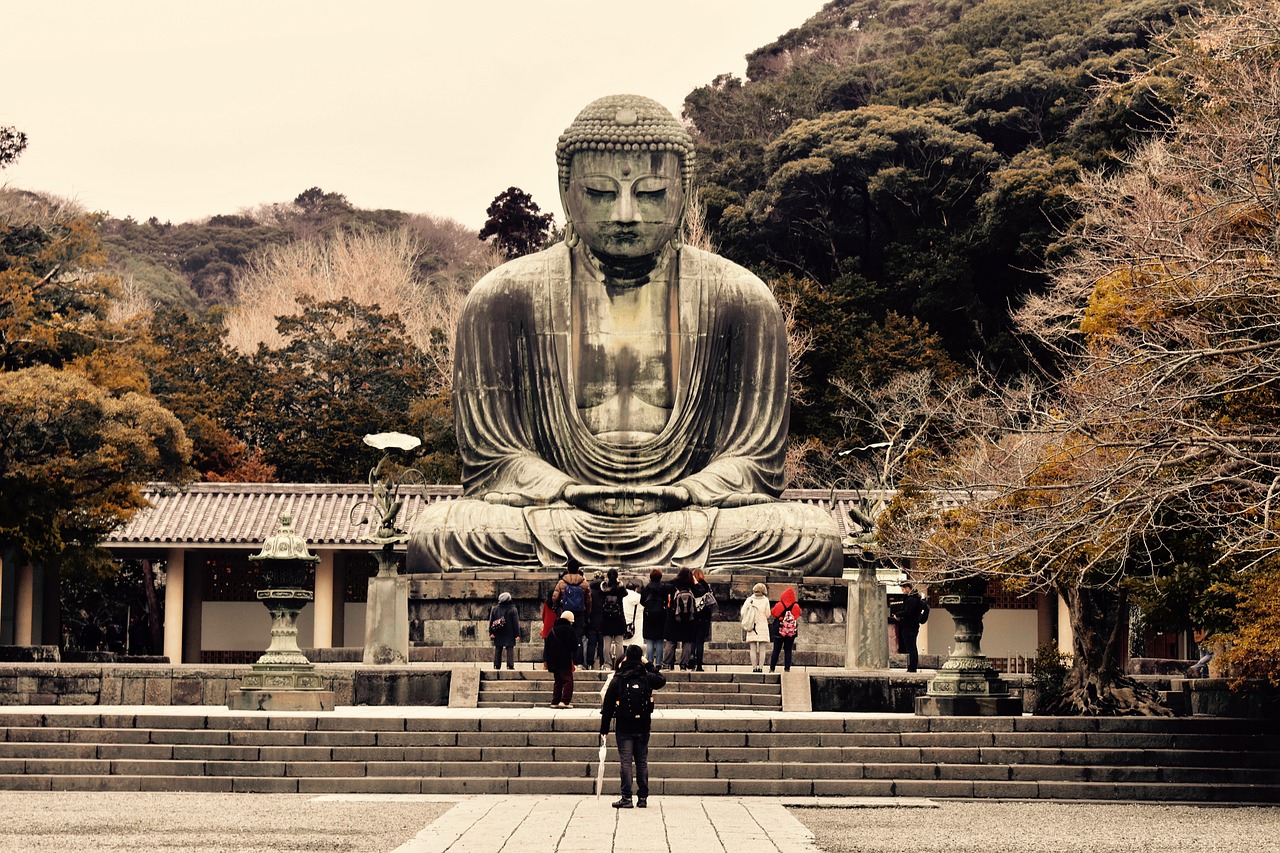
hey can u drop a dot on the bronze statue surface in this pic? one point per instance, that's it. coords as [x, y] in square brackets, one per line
[621, 399]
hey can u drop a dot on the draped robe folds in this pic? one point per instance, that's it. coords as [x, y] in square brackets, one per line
[520, 434]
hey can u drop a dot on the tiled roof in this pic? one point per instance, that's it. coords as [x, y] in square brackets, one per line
[242, 515]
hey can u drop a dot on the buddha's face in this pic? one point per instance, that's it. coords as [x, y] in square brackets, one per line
[625, 204]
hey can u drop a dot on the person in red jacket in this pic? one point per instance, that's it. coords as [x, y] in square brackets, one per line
[785, 628]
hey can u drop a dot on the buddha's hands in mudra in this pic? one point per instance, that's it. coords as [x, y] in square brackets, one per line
[626, 502]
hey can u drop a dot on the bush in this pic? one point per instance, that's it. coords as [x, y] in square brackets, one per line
[1048, 673]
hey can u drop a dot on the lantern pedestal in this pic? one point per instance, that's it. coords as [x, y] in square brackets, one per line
[967, 685]
[386, 633]
[283, 679]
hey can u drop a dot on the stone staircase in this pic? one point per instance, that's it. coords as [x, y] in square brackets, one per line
[720, 691]
[728, 753]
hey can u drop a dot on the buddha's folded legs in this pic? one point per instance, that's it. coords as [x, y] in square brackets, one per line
[468, 534]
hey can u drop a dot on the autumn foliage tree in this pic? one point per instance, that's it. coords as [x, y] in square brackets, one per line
[1156, 444]
[79, 429]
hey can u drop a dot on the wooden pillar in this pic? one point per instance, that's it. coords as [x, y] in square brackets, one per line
[323, 616]
[193, 611]
[1044, 618]
[174, 597]
[340, 598]
[24, 604]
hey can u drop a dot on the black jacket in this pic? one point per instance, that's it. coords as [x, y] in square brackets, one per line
[558, 649]
[510, 632]
[613, 625]
[653, 600]
[610, 705]
[909, 615]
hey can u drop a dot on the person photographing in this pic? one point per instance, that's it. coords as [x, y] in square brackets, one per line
[628, 704]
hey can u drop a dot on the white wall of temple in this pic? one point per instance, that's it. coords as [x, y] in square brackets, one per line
[246, 626]
[1005, 633]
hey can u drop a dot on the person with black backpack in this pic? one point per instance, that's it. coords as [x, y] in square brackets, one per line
[628, 702]
[613, 619]
[681, 623]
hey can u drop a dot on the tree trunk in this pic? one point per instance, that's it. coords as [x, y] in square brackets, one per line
[1097, 684]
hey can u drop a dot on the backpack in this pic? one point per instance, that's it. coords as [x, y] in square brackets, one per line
[635, 698]
[787, 625]
[924, 610]
[612, 606]
[572, 598]
[682, 605]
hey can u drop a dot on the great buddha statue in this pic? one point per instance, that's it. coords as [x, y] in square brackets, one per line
[621, 399]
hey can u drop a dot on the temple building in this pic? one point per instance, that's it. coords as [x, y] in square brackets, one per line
[198, 539]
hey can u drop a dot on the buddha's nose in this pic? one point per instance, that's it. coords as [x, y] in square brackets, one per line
[625, 208]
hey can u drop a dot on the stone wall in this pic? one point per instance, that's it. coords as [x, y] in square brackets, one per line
[454, 610]
[107, 684]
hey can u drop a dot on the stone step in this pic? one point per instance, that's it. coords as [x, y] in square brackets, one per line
[1163, 792]
[118, 719]
[557, 760]
[727, 747]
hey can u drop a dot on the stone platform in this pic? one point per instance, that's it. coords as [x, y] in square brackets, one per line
[454, 611]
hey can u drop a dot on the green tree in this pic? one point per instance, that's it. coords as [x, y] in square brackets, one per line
[345, 371]
[516, 223]
[12, 143]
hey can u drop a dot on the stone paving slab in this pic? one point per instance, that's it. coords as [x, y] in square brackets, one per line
[587, 824]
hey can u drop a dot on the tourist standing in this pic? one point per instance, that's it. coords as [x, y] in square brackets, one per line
[613, 617]
[595, 655]
[504, 630]
[628, 702]
[558, 654]
[653, 601]
[681, 623]
[786, 615]
[573, 595]
[705, 607]
[910, 615]
[755, 623]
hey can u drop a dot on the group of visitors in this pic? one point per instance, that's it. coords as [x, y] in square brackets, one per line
[590, 623]
[678, 615]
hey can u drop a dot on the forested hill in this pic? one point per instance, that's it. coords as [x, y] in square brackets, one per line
[898, 160]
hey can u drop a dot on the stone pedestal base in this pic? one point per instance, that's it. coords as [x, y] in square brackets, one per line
[868, 638]
[968, 706]
[386, 633]
[280, 700]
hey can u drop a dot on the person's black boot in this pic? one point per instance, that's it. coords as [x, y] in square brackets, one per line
[623, 803]
[642, 803]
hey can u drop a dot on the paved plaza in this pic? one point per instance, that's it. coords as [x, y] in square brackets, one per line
[214, 823]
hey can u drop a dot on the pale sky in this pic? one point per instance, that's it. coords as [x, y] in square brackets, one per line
[181, 110]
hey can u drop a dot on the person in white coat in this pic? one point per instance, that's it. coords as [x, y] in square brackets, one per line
[755, 622]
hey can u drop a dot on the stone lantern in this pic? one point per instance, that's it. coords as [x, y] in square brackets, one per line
[967, 685]
[283, 679]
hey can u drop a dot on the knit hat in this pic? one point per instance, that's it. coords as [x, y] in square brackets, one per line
[504, 598]
[759, 589]
[568, 614]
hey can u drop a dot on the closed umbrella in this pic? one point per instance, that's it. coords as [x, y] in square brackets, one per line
[604, 744]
